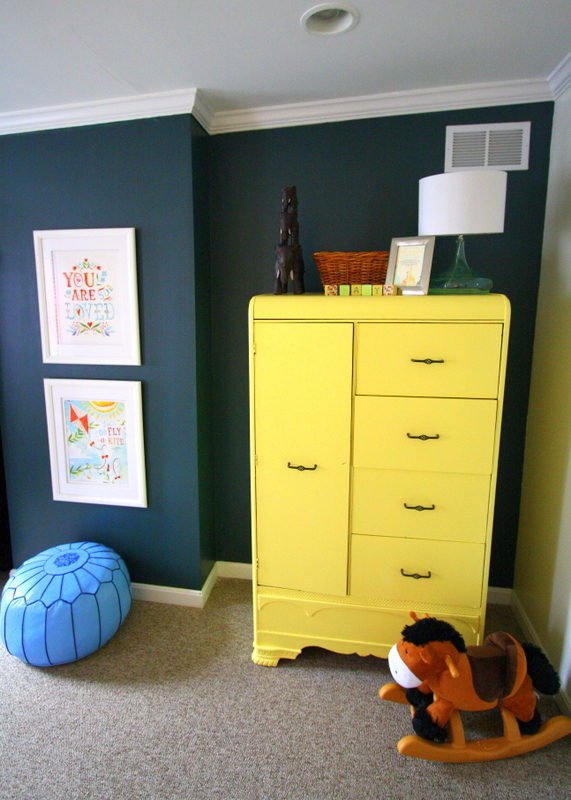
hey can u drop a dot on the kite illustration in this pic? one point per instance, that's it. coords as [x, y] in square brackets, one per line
[79, 418]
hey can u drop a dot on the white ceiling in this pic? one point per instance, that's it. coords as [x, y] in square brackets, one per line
[247, 54]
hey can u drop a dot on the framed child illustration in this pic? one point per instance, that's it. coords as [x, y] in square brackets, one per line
[87, 291]
[410, 263]
[95, 434]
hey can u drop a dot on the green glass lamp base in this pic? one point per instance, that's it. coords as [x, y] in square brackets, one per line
[459, 278]
[456, 290]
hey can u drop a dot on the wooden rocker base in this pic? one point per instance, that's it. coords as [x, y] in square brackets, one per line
[458, 750]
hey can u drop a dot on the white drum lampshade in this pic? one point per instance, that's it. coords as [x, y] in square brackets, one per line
[456, 203]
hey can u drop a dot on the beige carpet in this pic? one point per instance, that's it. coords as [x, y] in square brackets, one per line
[173, 707]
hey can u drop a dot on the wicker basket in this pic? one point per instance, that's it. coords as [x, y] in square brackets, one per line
[338, 268]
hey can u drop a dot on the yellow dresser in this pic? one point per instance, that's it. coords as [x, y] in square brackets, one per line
[375, 428]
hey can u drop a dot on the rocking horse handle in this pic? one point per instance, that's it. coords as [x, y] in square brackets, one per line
[452, 668]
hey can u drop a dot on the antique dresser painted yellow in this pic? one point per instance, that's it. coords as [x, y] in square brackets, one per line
[375, 428]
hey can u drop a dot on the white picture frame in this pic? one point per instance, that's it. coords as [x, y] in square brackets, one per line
[87, 292]
[95, 435]
[410, 263]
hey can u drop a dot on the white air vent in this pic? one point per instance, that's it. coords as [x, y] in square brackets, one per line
[503, 145]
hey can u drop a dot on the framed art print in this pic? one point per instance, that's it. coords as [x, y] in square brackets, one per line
[410, 263]
[87, 290]
[95, 434]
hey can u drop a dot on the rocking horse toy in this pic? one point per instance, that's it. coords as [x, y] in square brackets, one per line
[438, 676]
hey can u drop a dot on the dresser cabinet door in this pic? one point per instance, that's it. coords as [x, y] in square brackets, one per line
[302, 418]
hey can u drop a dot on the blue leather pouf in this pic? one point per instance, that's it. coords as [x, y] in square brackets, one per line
[64, 603]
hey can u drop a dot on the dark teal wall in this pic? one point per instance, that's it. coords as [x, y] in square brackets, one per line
[357, 185]
[198, 268]
[203, 333]
[144, 174]
[5, 545]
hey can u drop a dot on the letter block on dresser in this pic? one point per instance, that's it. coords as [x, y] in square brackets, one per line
[375, 426]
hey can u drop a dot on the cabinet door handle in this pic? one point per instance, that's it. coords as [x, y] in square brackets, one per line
[423, 436]
[420, 508]
[415, 575]
[428, 360]
[301, 468]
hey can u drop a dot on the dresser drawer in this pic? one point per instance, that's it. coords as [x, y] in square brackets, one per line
[464, 359]
[386, 431]
[455, 570]
[420, 505]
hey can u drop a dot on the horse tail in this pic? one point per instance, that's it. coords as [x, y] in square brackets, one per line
[543, 676]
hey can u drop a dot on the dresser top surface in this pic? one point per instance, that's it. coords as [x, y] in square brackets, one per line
[484, 308]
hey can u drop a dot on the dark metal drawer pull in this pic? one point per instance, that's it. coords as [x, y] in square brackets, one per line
[420, 508]
[416, 576]
[428, 360]
[423, 436]
[301, 468]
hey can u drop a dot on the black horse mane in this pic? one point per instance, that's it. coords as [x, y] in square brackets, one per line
[433, 630]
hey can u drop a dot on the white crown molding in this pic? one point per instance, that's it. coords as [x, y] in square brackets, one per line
[202, 111]
[159, 104]
[560, 78]
[381, 105]
[193, 101]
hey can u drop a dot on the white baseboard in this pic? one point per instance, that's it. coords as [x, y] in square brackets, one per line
[234, 569]
[193, 598]
[499, 596]
[563, 699]
[167, 594]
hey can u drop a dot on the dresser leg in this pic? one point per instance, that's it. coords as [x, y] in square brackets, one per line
[269, 656]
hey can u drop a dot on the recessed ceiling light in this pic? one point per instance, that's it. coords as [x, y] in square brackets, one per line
[330, 18]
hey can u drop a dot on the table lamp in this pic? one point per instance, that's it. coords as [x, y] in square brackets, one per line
[461, 203]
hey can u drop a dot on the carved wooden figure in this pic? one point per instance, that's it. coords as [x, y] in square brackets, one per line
[289, 226]
[289, 263]
[289, 257]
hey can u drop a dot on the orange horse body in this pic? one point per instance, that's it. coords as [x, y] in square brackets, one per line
[494, 674]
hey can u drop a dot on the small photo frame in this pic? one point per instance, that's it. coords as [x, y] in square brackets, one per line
[87, 291]
[95, 434]
[410, 262]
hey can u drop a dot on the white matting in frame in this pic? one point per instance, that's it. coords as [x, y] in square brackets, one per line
[95, 433]
[410, 263]
[87, 290]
